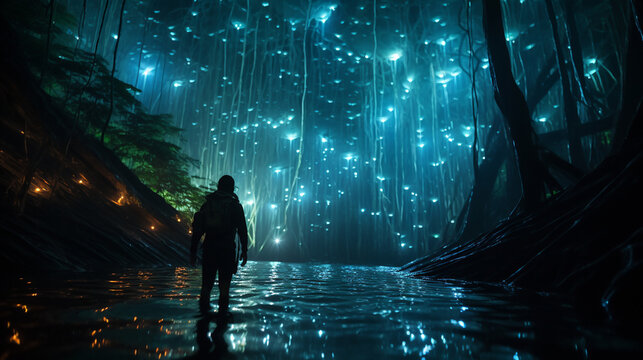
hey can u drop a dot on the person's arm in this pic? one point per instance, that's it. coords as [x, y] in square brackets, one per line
[242, 230]
[197, 233]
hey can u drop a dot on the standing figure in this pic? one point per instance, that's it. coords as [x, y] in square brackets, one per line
[220, 218]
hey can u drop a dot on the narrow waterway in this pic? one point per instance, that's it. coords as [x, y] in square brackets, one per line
[287, 310]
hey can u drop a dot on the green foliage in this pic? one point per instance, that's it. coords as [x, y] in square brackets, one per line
[81, 83]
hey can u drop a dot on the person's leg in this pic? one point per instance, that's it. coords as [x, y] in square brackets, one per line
[208, 276]
[225, 278]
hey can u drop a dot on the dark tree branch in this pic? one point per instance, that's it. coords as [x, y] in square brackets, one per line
[111, 79]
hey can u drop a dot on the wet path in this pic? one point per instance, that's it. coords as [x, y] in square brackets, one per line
[282, 310]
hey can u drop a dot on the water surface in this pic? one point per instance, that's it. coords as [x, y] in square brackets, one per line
[288, 310]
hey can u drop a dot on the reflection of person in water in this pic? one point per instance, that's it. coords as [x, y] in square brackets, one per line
[220, 218]
[205, 341]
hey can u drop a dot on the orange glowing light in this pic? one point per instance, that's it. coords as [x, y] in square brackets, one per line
[80, 181]
[152, 227]
[38, 189]
[15, 338]
[106, 320]
[135, 318]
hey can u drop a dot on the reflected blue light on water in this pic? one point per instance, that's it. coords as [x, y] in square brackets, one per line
[285, 310]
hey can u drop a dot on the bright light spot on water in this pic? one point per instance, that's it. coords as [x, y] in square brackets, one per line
[115, 36]
[277, 240]
[383, 119]
[147, 71]
[177, 83]
[542, 119]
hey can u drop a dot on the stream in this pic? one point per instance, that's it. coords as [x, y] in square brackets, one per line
[288, 310]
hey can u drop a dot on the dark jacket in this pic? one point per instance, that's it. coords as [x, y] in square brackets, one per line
[220, 218]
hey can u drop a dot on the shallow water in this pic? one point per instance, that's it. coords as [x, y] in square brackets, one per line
[288, 310]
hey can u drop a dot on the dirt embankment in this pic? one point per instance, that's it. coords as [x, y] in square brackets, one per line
[66, 201]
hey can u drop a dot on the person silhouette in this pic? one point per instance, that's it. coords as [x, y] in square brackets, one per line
[220, 218]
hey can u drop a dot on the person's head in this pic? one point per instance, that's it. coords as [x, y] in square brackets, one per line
[226, 184]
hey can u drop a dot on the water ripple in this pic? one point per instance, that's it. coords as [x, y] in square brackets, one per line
[282, 310]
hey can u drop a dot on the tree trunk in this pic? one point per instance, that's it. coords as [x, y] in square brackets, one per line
[472, 219]
[632, 89]
[569, 104]
[514, 108]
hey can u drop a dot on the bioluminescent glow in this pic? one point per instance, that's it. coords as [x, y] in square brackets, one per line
[367, 105]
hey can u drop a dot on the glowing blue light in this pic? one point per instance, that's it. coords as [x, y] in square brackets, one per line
[147, 71]
[277, 240]
[395, 56]
[383, 119]
[324, 140]
[177, 83]
[511, 35]
[434, 200]
[238, 25]
[292, 136]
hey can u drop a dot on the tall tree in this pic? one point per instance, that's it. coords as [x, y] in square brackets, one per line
[569, 104]
[512, 104]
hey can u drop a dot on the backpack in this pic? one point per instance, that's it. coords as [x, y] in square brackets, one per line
[216, 215]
